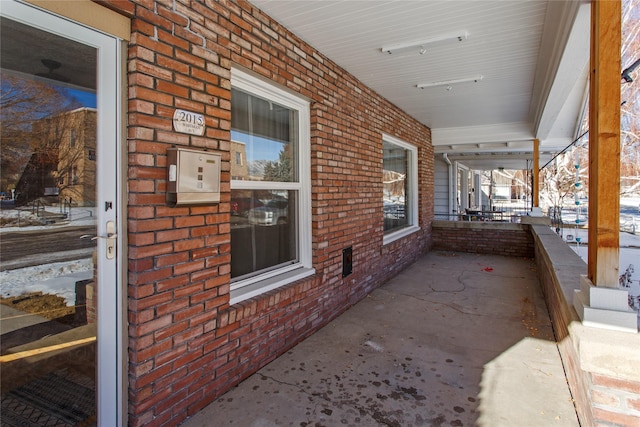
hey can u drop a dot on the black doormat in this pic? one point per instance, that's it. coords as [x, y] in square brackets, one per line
[59, 399]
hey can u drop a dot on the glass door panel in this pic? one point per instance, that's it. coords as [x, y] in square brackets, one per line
[52, 214]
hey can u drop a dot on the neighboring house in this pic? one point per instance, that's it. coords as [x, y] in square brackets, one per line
[64, 161]
[76, 167]
[239, 168]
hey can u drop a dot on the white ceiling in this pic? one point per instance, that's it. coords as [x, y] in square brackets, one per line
[532, 55]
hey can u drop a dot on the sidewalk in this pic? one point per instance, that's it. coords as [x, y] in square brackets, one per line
[455, 340]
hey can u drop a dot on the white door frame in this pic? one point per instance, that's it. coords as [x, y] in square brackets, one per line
[110, 393]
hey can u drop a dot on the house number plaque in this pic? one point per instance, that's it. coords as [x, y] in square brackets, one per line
[188, 122]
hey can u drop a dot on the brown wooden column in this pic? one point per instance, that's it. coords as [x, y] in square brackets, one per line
[535, 192]
[604, 143]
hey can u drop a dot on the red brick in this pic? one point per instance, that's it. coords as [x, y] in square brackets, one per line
[151, 225]
[633, 403]
[147, 199]
[140, 212]
[141, 239]
[171, 235]
[174, 378]
[185, 245]
[149, 173]
[173, 89]
[203, 253]
[188, 312]
[188, 335]
[149, 327]
[151, 352]
[189, 290]
[189, 221]
[616, 384]
[169, 39]
[615, 418]
[151, 276]
[139, 265]
[171, 259]
[151, 301]
[150, 95]
[171, 306]
[601, 397]
[170, 331]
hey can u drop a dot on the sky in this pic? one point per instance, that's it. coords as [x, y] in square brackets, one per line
[260, 149]
[87, 99]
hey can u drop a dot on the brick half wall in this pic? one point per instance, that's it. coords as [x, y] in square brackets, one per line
[601, 365]
[494, 238]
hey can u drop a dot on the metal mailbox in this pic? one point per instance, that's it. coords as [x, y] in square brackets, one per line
[193, 176]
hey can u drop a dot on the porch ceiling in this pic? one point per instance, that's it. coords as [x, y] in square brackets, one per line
[532, 56]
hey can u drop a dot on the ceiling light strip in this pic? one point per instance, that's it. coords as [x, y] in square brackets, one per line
[474, 79]
[421, 44]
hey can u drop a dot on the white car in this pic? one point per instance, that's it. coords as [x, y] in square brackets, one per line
[275, 211]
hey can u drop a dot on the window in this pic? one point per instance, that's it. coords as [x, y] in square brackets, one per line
[72, 138]
[400, 188]
[270, 194]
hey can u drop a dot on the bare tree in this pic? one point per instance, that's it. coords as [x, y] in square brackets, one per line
[559, 177]
[22, 102]
[567, 176]
[630, 95]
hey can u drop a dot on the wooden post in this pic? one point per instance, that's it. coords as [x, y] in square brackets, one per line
[604, 143]
[535, 193]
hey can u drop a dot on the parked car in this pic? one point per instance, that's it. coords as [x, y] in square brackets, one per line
[393, 210]
[275, 211]
[240, 206]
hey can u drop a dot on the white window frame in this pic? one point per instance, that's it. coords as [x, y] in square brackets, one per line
[412, 191]
[261, 283]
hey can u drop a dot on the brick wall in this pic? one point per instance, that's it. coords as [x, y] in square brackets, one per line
[601, 399]
[495, 238]
[558, 297]
[615, 402]
[187, 345]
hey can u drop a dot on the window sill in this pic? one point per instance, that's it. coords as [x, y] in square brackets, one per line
[260, 287]
[392, 237]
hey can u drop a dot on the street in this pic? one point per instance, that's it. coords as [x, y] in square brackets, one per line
[35, 245]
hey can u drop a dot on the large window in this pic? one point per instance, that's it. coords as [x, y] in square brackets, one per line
[270, 193]
[400, 188]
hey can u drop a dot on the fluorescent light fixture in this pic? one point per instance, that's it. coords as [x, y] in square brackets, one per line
[448, 83]
[421, 45]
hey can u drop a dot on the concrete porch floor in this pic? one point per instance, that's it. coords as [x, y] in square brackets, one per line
[455, 340]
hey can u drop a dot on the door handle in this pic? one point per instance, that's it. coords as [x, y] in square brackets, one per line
[110, 239]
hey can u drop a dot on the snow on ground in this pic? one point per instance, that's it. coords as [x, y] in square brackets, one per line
[25, 219]
[577, 237]
[629, 260]
[57, 278]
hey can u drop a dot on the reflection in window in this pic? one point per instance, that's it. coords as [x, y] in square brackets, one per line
[266, 131]
[396, 191]
[264, 229]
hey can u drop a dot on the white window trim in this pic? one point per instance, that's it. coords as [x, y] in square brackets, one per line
[254, 286]
[412, 190]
